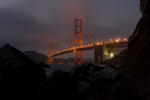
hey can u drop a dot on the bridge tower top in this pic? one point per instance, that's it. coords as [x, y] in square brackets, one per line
[78, 40]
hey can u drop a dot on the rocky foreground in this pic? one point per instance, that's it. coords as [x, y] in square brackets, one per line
[137, 68]
[19, 75]
[22, 77]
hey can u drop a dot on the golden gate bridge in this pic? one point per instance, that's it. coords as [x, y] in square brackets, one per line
[102, 50]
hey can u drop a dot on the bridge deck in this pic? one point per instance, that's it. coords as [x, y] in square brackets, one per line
[90, 47]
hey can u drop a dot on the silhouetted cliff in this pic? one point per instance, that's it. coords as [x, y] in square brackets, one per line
[136, 83]
[19, 76]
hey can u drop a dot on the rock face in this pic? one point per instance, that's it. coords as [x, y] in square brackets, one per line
[57, 86]
[145, 8]
[137, 71]
[19, 76]
[87, 82]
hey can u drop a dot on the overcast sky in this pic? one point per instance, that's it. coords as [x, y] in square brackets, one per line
[32, 24]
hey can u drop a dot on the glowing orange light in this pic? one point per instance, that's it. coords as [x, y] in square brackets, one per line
[98, 43]
[117, 40]
[125, 39]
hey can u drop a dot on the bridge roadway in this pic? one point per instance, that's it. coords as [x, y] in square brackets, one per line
[121, 44]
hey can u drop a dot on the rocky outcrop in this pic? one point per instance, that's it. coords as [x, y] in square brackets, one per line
[96, 83]
[19, 76]
[87, 82]
[57, 86]
[136, 84]
[145, 8]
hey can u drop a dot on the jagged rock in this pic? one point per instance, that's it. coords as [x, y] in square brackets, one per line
[97, 84]
[18, 73]
[87, 82]
[57, 86]
[145, 8]
[107, 73]
[82, 87]
[136, 84]
[82, 72]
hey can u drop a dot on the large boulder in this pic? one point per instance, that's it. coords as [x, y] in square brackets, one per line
[86, 82]
[145, 8]
[136, 83]
[58, 85]
[95, 83]
[19, 75]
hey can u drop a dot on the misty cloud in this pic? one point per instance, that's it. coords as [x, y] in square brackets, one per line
[31, 24]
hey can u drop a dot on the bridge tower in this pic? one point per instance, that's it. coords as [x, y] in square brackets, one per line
[50, 59]
[78, 40]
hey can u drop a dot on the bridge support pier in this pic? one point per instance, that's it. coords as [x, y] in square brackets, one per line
[98, 54]
[51, 60]
[102, 53]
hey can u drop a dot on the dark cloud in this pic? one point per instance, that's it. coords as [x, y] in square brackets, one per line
[32, 24]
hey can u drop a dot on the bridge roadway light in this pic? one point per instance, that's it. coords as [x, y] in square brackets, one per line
[106, 42]
[97, 43]
[92, 45]
[111, 40]
[125, 39]
[117, 40]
